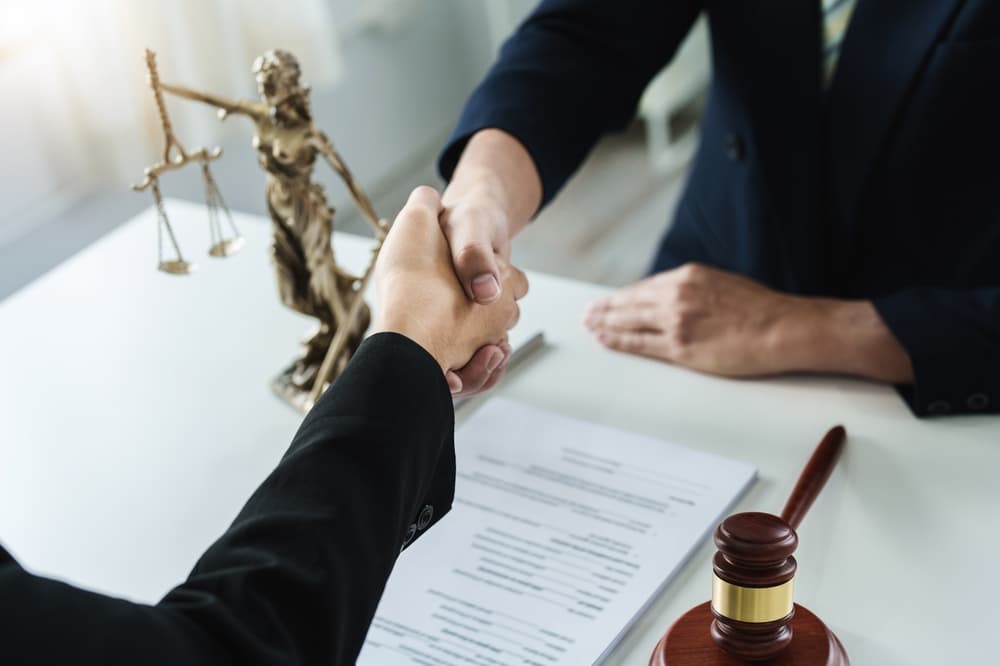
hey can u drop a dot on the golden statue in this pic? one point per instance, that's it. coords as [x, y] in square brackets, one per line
[309, 279]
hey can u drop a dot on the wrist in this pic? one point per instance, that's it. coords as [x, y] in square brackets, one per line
[414, 331]
[496, 170]
[840, 336]
[478, 196]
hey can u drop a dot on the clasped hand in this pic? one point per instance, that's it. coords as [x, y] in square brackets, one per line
[419, 295]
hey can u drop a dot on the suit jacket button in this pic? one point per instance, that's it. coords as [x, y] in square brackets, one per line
[939, 407]
[411, 532]
[977, 401]
[735, 149]
[425, 517]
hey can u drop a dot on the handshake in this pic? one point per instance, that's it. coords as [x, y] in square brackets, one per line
[420, 296]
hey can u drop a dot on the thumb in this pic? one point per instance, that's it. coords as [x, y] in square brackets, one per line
[475, 263]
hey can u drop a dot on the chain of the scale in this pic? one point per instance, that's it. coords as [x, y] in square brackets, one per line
[176, 266]
[220, 245]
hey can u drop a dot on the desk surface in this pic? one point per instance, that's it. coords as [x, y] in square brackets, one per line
[136, 418]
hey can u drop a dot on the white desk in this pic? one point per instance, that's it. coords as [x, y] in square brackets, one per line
[135, 419]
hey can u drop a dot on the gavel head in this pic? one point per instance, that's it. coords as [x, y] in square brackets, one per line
[752, 587]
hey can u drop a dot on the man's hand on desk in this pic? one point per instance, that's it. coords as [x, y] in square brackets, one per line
[725, 324]
[419, 296]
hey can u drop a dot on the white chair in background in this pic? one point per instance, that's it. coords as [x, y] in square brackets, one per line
[677, 86]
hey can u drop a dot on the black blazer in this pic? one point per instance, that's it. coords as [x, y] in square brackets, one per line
[882, 187]
[296, 578]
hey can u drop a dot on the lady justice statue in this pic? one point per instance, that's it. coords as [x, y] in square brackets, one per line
[309, 279]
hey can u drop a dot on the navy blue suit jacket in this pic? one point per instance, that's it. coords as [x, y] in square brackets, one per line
[883, 186]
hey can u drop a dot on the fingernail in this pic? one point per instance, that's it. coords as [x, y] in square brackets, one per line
[485, 287]
[505, 356]
[591, 310]
[495, 359]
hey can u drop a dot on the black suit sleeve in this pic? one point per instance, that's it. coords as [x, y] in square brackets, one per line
[297, 577]
[953, 339]
[573, 71]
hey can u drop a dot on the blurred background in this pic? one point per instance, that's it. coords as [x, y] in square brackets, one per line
[388, 78]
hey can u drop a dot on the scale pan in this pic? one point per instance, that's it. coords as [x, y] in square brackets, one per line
[177, 267]
[226, 248]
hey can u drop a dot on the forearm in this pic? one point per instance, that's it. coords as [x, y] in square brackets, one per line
[297, 577]
[497, 172]
[225, 104]
[303, 566]
[572, 71]
[840, 336]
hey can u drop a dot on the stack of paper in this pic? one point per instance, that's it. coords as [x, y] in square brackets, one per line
[562, 533]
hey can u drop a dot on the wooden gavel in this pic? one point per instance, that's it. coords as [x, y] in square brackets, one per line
[750, 617]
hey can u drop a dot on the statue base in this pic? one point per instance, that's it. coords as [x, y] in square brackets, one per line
[689, 643]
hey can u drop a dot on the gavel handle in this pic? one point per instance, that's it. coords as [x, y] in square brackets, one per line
[814, 476]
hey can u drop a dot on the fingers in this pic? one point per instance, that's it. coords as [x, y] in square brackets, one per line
[631, 319]
[494, 378]
[423, 200]
[496, 318]
[645, 343]
[473, 253]
[634, 307]
[515, 317]
[416, 226]
[644, 292]
[454, 382]
[627, 317]
[516, 281]
[477, 374]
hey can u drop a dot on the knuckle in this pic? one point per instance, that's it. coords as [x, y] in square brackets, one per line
[691, 271]
[523, 283]
[664, 278]
[679, 337]
[475, 382]
[515, 315]
[425, 192]
[683, 313]
[420, 212]
[685, 291]
[674, 319]
[472, 252]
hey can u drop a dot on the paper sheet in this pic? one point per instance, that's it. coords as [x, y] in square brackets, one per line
[561, 534]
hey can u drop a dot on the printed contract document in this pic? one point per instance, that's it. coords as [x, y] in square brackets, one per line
[562, 533]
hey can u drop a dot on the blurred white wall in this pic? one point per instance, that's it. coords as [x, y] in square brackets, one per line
[405, 68]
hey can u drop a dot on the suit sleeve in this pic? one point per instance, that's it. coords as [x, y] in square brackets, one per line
[573, 71]
[953, 339]
[297, 577]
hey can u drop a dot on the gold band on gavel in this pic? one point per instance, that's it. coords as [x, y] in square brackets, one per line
[751, 604]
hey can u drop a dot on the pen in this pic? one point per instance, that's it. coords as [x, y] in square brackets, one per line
[517, 356]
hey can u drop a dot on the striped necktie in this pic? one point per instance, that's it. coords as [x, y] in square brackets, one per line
[836, 16]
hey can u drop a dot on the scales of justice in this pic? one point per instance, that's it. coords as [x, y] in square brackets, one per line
[308, 277]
